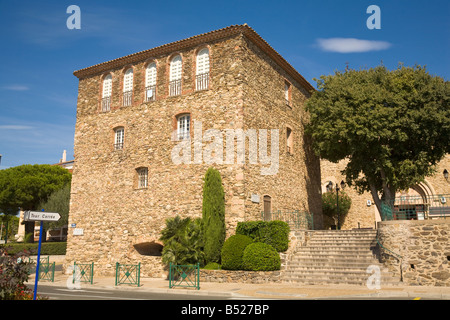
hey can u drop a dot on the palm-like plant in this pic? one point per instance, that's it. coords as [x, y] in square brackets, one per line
[183, 242]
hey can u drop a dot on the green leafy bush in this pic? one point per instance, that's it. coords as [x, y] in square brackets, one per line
[274, 233]
[47, 248]
[13, 274]
[260, 256]
[212, 266]
[233, 250]
[182, 239]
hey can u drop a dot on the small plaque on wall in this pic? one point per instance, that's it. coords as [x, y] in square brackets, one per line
[78, 232]
[255, 198]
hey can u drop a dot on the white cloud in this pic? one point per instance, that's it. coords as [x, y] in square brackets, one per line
[15, 127]
[350, 45]
[16, 87]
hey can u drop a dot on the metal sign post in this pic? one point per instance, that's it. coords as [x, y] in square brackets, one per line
[39, 216]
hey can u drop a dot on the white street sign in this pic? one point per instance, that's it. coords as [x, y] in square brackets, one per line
[40, 216]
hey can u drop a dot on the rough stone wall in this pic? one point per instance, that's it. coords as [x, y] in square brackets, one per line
[296, 185]
[424, 247]
[107, 204]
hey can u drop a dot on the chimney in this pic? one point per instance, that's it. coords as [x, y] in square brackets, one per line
[64, 156]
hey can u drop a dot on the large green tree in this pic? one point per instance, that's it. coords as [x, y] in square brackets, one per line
[392, 127]
[24, 187]
[213, 215]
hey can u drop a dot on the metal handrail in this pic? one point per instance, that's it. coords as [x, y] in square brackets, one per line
[395, 255]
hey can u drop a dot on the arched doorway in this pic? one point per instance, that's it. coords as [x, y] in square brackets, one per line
[414, 203]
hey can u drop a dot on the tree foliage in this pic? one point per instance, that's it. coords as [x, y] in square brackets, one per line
[213, 215]
[24, 187]
[392, 127]
[27, 185]
[329, 206]
[182, 239]
[58, 201]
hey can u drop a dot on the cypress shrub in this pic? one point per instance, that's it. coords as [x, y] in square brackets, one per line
[213, 215]
[260, 256]
[233, 250]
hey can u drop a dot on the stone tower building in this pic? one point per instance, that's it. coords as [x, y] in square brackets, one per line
[151, 123]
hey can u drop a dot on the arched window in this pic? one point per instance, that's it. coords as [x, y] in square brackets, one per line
[183, 126]
[128, 87]
[106, 95]
[175, 76]
[202, 71]
[119, 134]
[150, 82]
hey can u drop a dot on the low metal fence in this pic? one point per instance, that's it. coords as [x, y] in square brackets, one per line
[416, 208]
[295, 219]
[83, 272]
[128, 274]
[187, 276]
[47, 271]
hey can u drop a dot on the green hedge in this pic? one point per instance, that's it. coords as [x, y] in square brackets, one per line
[47, 248]
[233, 250]
[260, 256]
[274, 233]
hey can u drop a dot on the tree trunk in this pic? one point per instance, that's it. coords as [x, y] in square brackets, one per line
[29, 228]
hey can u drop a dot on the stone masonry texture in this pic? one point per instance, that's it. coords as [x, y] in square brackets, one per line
[421, 250]
[246, 91]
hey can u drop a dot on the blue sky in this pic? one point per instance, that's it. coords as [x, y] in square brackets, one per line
[38, 92]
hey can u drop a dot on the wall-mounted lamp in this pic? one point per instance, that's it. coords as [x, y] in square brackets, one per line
[329, 186]
[445, 174]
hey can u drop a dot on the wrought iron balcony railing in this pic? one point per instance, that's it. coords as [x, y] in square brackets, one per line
[202, 81]
[106, 104]
[127, 98]
[175, 87]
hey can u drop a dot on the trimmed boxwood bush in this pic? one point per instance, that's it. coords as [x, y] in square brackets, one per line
[260, 256]
[233, 250]
[212, 266]
[47, 248]
[275, 233]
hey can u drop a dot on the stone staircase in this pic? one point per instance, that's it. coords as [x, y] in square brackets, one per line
[336, 257]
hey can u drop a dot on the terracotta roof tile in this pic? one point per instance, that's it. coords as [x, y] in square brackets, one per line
[193, 41]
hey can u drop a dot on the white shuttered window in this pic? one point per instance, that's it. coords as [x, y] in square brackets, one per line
[203, 61]
[175, 68]
[150, 75]
[128, 80]
[107, 86]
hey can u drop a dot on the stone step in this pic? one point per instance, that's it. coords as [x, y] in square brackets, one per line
[331, 248]
[327, 256]
[349, 280]
[358, 264]
[336, 256]
[332, 269]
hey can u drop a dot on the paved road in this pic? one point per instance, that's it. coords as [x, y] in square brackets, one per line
[61, 293]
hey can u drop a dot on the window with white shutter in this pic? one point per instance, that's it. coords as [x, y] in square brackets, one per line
[106, 94]
[202, 72]
[175, 68]
[128, 87]
[128, 80]
[107, 86]
[150, 82]
[119, 138]
[203, 61]
[175, 76]
[183, 126]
